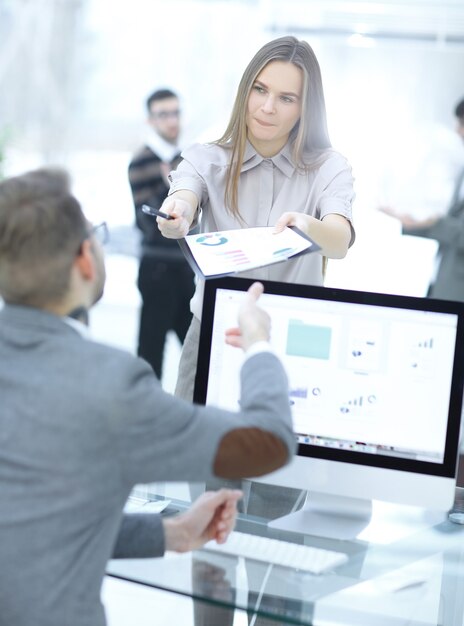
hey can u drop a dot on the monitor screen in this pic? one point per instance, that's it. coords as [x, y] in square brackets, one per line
[375, 380]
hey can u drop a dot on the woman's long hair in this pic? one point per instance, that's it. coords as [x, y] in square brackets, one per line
[310, 136]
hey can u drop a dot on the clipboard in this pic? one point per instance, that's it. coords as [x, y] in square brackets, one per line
[230, 252]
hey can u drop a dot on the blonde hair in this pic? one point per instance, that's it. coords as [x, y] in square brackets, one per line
[310, 136]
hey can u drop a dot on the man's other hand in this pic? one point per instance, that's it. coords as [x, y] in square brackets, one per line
[211, 516]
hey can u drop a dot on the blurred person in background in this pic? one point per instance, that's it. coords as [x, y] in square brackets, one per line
[448, 230]
[165, 280]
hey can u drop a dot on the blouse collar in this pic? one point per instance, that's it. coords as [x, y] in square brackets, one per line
[282, 160]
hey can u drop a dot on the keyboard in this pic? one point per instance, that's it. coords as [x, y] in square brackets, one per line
[278, 552]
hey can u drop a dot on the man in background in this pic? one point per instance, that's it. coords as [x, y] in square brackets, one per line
[165, 280]
[448, 230]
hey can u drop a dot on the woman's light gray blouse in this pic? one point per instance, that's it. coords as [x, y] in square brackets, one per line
[267, 188]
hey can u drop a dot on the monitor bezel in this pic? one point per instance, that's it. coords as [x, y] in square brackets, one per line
[448, 467]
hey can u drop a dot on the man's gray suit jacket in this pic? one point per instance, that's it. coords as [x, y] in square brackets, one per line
[80, 424]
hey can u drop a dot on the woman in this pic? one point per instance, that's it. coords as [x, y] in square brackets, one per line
[274, 165]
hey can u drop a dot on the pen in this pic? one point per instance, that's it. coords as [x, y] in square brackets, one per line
[154, 212]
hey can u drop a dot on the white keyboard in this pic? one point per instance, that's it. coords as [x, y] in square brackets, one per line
[277, 552]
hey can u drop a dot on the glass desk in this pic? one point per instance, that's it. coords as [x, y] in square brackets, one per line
[406, 567]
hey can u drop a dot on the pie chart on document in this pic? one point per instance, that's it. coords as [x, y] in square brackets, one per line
[212, 239]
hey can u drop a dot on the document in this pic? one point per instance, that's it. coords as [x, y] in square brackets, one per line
[232, 251]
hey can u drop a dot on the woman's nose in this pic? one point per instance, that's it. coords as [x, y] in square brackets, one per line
[269, 105]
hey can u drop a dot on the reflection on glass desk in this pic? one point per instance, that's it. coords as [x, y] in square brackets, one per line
[406, 567]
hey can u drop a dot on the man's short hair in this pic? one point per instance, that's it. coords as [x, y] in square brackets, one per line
[459, 110]
[41, 229]
[159, 94]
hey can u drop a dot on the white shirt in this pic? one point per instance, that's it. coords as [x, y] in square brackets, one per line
[164, 149]
[78, 326]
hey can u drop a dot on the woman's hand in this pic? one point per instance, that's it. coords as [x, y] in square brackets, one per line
[182, 206]
[300, 220]
[332, 232]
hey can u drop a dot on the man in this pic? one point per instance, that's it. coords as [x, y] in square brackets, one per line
[81, 423]
[448, 230]
[165, 279]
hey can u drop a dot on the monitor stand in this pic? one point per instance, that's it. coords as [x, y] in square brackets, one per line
[324, 515]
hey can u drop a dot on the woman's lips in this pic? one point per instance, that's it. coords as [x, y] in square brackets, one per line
[262, 123]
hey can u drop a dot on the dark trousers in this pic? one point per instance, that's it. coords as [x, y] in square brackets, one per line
[166, 288]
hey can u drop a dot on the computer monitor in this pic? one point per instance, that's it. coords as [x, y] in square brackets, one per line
[375, 383]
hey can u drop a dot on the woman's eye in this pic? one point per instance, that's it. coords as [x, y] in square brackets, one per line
[259, 89]
[287, 99]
